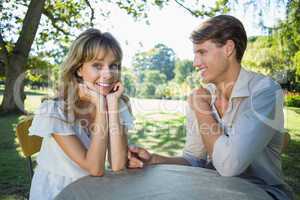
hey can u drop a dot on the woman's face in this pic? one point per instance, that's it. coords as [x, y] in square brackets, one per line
[100, 74]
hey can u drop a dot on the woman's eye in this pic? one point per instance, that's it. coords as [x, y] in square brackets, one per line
[97, 65]
[114, 66]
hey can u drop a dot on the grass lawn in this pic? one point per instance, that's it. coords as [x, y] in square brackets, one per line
[163, 133]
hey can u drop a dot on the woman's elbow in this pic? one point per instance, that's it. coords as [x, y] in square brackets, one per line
[117, 167]
[96, 172]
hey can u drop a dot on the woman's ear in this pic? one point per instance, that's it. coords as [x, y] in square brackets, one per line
[78, 72]
[78, 75]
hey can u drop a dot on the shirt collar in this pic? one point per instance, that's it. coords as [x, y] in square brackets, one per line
[240, 88]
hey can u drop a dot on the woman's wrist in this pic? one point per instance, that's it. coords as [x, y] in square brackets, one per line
[112, 106]
[100, 103]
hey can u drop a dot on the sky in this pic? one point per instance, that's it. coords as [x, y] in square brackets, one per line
[172, 26]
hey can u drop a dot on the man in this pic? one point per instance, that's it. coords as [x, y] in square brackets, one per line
[235, 123]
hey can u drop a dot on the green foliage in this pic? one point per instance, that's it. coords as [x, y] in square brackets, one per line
[129, 81]
[152, 79]
[296, 62]
[263, 54]
[292, 100]
[161, 58]
[183, 69]
[40, 72]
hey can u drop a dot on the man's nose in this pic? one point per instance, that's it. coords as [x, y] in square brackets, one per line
[197, 62]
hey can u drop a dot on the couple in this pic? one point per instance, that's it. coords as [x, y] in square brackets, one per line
[234, 123]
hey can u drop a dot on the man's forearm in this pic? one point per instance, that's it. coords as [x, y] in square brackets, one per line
[210, 131]
[158, 159]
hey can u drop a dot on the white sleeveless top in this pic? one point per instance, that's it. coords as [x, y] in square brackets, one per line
[55, 170]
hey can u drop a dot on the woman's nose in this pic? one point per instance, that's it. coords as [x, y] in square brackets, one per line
[106, 73]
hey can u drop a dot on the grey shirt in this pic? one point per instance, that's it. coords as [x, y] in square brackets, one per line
[253, 134]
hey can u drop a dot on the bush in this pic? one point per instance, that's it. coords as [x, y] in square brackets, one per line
[293, 100]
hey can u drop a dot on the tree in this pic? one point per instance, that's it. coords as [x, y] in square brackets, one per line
[54, 21]
[15, 45]
[39, 72]
[183, 68]
[129, 81]
[152, 79]
[287, 36]
[161, 58]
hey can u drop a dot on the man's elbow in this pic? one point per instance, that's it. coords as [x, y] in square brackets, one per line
[230, 169]
[229, 172]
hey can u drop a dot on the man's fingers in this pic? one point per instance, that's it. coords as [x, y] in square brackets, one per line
[144, 154]
[135, 163]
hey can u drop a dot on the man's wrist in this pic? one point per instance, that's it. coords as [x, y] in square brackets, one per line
[155, 159]
[205, 116]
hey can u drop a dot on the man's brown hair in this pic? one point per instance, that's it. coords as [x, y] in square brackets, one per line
[221, 28]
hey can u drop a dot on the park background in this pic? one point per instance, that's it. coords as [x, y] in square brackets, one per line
[157, 69]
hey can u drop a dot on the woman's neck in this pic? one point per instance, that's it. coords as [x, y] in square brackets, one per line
[85, 110]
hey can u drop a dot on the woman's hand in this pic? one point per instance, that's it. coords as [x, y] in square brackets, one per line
[113, 98]
[86, 93]
[116, 92]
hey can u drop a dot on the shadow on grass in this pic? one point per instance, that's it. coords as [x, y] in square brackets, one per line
[164, 137]
[14, 182]
[32, 93]
[291, 166]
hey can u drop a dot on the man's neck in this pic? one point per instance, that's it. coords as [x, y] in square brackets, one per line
[226, 84]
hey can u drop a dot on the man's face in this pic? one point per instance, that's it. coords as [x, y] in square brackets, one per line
[211, 61]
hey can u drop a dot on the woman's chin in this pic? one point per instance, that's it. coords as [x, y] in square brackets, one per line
[105, 91]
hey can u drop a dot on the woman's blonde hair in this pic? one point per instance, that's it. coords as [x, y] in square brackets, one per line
[86, 47]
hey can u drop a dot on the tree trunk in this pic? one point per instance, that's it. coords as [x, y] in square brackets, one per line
[13, 98]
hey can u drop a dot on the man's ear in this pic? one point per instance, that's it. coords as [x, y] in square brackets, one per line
[229, 48]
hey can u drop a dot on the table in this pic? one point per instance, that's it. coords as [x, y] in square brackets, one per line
[162, 182]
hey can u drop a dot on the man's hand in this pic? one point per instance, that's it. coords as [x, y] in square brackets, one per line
[200, 100]
[138, 157]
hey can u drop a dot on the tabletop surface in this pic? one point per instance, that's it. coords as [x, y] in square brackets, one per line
[162, 182]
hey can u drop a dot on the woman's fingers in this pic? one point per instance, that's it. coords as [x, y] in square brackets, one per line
[133, 149]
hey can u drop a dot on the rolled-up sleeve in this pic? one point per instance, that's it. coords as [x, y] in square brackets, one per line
[194, 147]
[251, 132]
